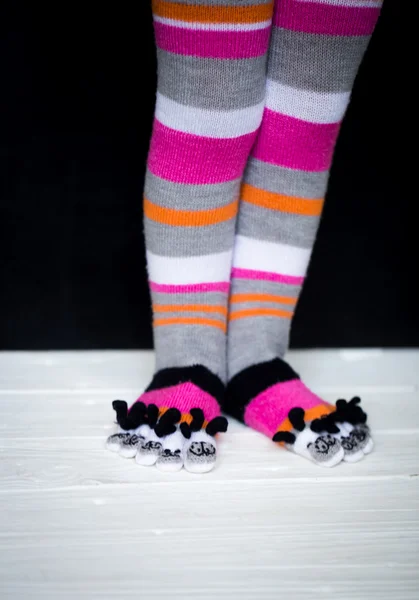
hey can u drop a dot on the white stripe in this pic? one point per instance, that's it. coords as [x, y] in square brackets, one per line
[196, 26]
[316, 107]
[267, 256]
[210, 268]
[208, 123]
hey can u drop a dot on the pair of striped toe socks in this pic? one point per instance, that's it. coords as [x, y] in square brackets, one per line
[251, 95]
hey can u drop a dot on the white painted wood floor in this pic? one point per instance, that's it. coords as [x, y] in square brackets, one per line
[77, 521]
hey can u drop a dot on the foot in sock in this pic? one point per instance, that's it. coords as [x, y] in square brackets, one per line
[133, 429]
[271, 398]
[315, 51]
[201, 140]
[200, 449]
[174, 423]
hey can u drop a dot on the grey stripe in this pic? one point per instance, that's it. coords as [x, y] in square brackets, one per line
[210, 83]
[237, 3]
[185, 345]
[167, 240]
[249, 286]
[286, 181]
[277, 226]
[238, 306]
[209, 298]
[315, 62]
[255, 339]
[181, 196]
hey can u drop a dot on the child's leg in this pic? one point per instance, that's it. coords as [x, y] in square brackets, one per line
[315, 52]
[210, 100]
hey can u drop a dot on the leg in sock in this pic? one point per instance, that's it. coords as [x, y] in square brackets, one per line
[210, 100]
[315, 52]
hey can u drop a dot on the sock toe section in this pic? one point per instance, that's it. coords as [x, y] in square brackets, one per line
[170, 458]
[324, 450]
[200, 452]
[176, 421]
[114, 442]
[356, 441]
[129, 446]
[149, 450]
[363, 436]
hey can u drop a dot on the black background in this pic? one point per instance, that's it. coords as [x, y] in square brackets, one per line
[76, 105]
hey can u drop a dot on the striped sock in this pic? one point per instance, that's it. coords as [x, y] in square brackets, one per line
[211, 87]
[315, 51]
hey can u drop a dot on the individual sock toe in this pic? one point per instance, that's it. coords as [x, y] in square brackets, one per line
[170, 458]
[352, 452]
[114, 442]
[126, 442]
[324, 449]
[131, 433]
[200, 449]
[149, 450]
[361, 433]
[350, 417]
[200, 452]
[129, 446]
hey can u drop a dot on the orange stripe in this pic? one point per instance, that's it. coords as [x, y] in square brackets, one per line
[289, 204]
[260, 312]
[310, 414]
[190, 321]
[186, 418]
[189, 218]
[189, 308]
[213, 14]
[262, 298]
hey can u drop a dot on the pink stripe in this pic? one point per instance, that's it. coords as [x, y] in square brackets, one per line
[183, 396]
[326, 19]
[186, 158]
[212, 44]
[268, 410]
[222, 286]
[289, 142]
[265, 276]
